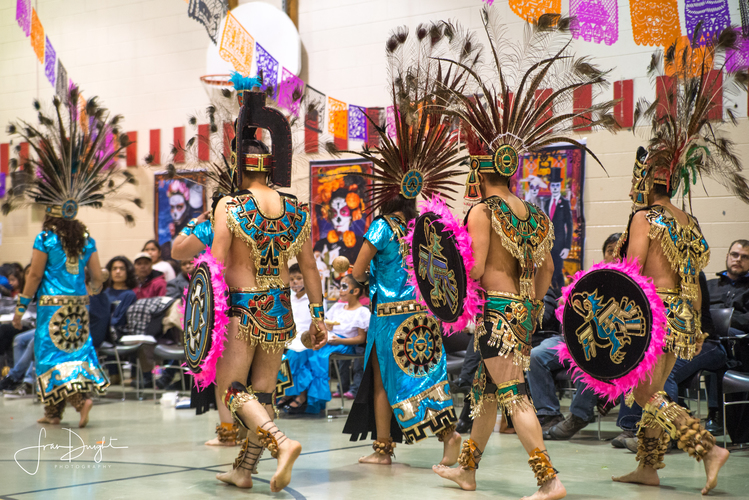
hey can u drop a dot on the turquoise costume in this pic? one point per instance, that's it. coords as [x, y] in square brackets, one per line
[265, 310]
[407, 343]
[66, 362]
[204, 232]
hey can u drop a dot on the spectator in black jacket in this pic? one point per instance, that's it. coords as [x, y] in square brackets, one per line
[176, 287]
[731, 288]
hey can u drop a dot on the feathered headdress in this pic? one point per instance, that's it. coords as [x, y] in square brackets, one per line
[74, 162]
[422, 156]
[685, 143]
[519, 116]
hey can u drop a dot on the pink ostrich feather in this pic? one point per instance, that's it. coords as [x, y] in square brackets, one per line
[207, 375]
[617, 387]
[474, 298]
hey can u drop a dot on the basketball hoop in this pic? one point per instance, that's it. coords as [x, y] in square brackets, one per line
[214, 86]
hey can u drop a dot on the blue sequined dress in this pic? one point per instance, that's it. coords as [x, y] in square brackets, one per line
[65, 357]
[408, 346]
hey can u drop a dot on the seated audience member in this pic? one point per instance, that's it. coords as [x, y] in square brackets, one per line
[150, 283]
[153, 249]
[99, 313]
[176, 287]
[731, 288]
[347, 322]
[7, 330]
[544, 362]
[20, 379]
[295, 355]
[16, 281]
[119, 288]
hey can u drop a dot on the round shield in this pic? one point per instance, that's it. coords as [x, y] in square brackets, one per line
[199, 316]
[607, 324]
[438, 265]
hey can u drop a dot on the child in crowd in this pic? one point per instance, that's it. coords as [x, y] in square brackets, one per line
[348, 322]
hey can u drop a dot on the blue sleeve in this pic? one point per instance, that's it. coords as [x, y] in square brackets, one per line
[39, 242]
[204, 232]
[379, 234]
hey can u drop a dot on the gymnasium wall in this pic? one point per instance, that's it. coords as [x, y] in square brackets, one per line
[144, 59]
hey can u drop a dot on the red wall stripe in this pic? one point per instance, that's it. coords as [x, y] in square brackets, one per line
[624, 110]
[179, 143]
[715, 84]
[311, 132]
[204, 138]
[154, 146]
[23, 155]
[341, 142]
[4, 157]
[373, 138]
[664, 86]
[582, 98]
[131, 152]
[228, 136]
[542, 94]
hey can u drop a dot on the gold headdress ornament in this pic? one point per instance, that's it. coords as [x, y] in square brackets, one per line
[684, 143]
[422, 157]
[72, 165]
[501, 124]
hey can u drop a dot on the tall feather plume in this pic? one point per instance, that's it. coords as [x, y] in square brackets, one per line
[685, 143]
[421, 87]
[499, 105]
[71, 161]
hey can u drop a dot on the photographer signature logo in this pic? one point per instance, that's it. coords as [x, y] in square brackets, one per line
[75, 448]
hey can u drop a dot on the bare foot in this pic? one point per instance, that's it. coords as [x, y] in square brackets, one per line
[241, 478]
[216, 442]
[47, 420]
[84, 413]
[641, 475]
[376, 458]
[451, 450]
[288, 452]
[713, 462]
[465, 478]
[551, 490]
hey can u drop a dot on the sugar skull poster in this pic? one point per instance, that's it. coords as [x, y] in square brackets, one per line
[552, 179]
[176, 201]
[339, 204]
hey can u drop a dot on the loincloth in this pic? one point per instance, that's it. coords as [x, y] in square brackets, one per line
[265, 316]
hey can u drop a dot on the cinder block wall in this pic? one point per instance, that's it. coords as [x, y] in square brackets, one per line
[144, 59]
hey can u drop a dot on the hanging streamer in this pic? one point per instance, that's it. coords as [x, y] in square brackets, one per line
[713, 14]
[337, 118]
[357, 122]
[287, 87]
[738, 59]
[655, 22]
[696, 57]
[209, 13]
[37, 36]
[50, 58]
[237, 45]
[390, 121]
[595, 20]
[744, 9]
[23, 15]
[531, 10]
[267, 66]
[61, 84]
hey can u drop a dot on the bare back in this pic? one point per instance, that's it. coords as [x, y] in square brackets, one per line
[501, 270]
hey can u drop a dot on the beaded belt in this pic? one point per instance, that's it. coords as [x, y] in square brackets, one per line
[402, 307]
[63, 300]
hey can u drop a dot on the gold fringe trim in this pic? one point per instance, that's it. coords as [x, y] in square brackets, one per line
[236, 229]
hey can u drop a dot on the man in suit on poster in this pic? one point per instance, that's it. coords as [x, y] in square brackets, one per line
[558, 209]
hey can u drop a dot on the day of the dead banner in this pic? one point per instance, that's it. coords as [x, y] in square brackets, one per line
[339, 206]
[553, 179]
[176, 201]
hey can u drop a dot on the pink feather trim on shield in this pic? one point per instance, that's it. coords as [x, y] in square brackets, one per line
[207, 375]
[617, 387]
[474, 298]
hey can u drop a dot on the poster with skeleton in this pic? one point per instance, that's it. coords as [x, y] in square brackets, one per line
[339, 203]
[176, 201]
